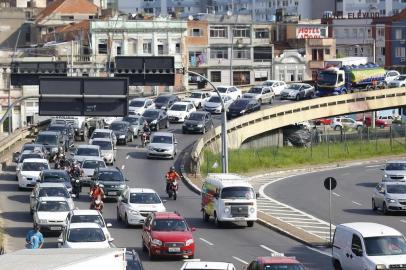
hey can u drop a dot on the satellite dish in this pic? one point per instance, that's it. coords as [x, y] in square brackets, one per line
[190, 18]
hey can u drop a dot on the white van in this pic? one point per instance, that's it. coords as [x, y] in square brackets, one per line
[228, 197]
[368, 246]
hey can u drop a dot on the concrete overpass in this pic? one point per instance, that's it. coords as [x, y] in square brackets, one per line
[242, 128]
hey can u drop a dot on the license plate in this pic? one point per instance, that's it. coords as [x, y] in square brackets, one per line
[173, 249]
[190, 128]
[239, 218]
[404, 207]
[112, 193]
[55, 228]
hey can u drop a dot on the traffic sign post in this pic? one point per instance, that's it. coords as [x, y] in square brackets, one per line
[330, 183]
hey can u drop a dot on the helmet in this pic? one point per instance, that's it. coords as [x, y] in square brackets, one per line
[172, 168]
[101, 185]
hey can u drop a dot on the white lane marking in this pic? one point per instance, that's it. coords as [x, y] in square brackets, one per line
[207, 242]
[122, 167]
[335, 194]
[268, 248]
[320, 251]
[402, 220]
[240, 260]
[191, 260]
[356, 203]
[373, 166]
[127, 157]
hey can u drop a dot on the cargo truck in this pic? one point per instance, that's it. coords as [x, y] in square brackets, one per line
[65, 259]
[337, 80]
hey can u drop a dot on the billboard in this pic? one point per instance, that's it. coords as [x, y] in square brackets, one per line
[308, 32]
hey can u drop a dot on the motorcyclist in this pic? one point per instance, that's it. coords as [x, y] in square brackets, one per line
[96, 191]
[171, 177]
[146, 132]
[97, 204]
[61, 161]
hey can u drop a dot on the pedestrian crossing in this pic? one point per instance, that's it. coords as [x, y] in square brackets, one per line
[286, 213]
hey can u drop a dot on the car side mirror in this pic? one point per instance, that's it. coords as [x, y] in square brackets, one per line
[60, 241]
[176, 142]
[108, 225]
[115, 148]
[193, 229]
[164, 201]
[127, 180]
[111, 239]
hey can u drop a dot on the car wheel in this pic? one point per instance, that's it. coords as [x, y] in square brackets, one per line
[131, 138]
[217, 222]
[337, 128]
[206, 217]
[382, 126]
[359, 127]
[311, 96]
[297, 97]
[374, 208]
[126, 221]
[385, 209]
[118, 215]
[260, 101]
[250, 224]
[337, 265]
[191, 256]
[271, 100]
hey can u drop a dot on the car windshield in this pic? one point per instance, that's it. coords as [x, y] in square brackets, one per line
[395, 167]
[32, 155]
[196, 95]
[52, 177]
[137, 103]
[214, 99]
[167, 225]
[53, 206]
[281, 266]
[34, 166]
[79, 235]
[110, 176]
[385, 245]
[103, 145]
[101, 135]
[118, 126]
[47, 139]
[396, 189]
[93, 164]
[162, 139]
[401, 78]
[222, 89]
[196, 116]
[178, 108]
[131, 120]
[237, 192]
[53, 192]
[87, 219]
[151, 114]
[294, 87]
[162, 99]
[87, 152]
[144, 198]
[240, 103]
[255, 90]
[327, 78]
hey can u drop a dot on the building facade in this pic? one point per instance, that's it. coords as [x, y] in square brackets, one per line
[160, 7]
[290, 66]
[348, 8]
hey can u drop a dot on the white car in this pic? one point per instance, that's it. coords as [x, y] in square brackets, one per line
[213, 105]
[84, 235]
[201, 265]
[50, 213]
[30, 171]
[107, 149]
[388, 119]
[391, 75]
[198, 98]
[102, 133]
[135, 204]
[162, 145]
[86, 151]
[263, 94]
[339, 122]
[277, 86]
[88, 216]
[400, 81]
[27, 154]
[394, 171]
[49, 190]
[232, 91]
[90, 164]
[138, 106]
[179, 111]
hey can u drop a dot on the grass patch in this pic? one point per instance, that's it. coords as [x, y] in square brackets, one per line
[268, 158]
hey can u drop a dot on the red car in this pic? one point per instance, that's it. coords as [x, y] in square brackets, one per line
[275, 262]
[167, 234]
[323, 121]
[378, 122]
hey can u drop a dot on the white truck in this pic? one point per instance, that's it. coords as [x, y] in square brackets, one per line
[65, 259]
[345, 61]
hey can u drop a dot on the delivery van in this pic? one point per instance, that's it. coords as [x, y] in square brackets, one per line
[228, 198]
[368, 246]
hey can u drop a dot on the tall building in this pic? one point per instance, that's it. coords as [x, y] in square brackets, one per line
[160, 7]
[383, 7]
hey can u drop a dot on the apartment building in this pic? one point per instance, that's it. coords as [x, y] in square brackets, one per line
[160, 7]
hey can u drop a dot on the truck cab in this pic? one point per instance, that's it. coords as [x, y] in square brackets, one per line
[331, 81]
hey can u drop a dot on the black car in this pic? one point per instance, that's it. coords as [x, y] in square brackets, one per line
[243, 106]
[112, 179]
[156, 119]
[66, 132]
[123, 131]
[56, 176]
[198, 122]
[53, 142]
[165, 101]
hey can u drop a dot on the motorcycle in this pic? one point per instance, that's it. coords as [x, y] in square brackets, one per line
[97, 204]
[76, 187]
[172, 189]
[144, 139]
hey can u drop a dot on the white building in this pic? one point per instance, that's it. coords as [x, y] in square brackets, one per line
[160, 7]
[290, 66]
[384, 7]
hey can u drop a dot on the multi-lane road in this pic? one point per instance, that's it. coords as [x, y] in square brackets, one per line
[234, 243]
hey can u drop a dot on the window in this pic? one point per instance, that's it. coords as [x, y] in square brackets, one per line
[327, 51]
[215, 76]
[196, 58]
[262, 54]
[400, 52]
[177, 48]
[241, 31]
[149, 10]
[218, 31]
[381, 32]
[261, 33]
[160, 49]
[398, 34]
[147, 46]
[356, 245]
[241, 54]
[196, 32]
[382, 12]
[102, 46]
[241, 77]
[68, 18]
[219, 53]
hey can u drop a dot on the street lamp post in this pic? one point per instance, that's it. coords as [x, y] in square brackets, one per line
[224, 144]
[229, 13]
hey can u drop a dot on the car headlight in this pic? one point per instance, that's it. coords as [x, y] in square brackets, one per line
[163, 107]
[389, 200]
[154, 122]
[380, 267]
[243, 111]
[189, 242]
[121, 186]
[200, 125]
[43, 221]
[252, 210]
[227, 210]
[122, 136]
[385, 176]
[156, 242]
[24, 178]
[134, 212]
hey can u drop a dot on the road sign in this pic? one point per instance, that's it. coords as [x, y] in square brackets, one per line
[330, 183]
[28, 73]
[83, 96]
[146, 70]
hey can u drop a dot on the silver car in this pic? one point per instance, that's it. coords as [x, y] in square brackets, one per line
[162, 145]
[394, 171]
[49, 190]
[390, 197]
[262, 93]
[107, 149]
[136, 123]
